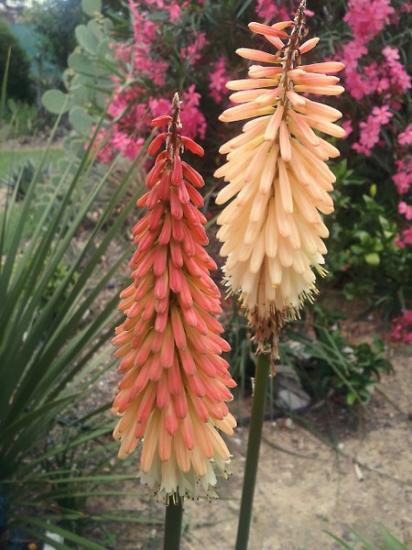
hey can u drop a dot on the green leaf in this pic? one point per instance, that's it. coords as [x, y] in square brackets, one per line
[46, 526]
[243, 8]
[4, 81]
[391, 542]
[96, 29]
[372, 258]
[351, 398]
[81, 121]
[56, 102]
[80, 63]
[86, 39]
[91, 7]
[47, 349]
[341, 542]
[104, 48]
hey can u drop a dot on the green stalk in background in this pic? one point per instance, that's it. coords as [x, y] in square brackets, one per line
[253, 446]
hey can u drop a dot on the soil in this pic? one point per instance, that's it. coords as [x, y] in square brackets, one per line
[306, 487]
[354, 474]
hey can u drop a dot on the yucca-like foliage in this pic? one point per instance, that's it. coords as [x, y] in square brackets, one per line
[387, 541]
[54, 323]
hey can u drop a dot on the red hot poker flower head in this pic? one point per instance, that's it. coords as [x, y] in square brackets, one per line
[278, 182]
[174, 389]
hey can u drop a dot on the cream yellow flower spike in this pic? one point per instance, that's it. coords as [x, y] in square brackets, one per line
[278, 182]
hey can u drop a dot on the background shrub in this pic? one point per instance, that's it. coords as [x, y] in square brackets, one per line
[54, 21]
[19, 84]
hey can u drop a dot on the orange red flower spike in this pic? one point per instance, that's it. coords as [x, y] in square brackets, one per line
[174, 389]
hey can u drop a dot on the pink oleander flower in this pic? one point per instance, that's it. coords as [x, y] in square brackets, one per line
[127, 145]
[402, 327]
[404, 238]
[405, 137]
[192, 118]
[351, 53]
[157, 3]
[172, 397]
[145, 34]
[387, 77]
[175, 11]
[356, 83]
[403, 177]
[277, 177]
[101, 147]
[406, 7]
[398, 78]
[347, 126]
[405, 209]
[192, 53]
[371, 128]
[217, 80]
[122, 52]
[367, 18]
[268, 10]
[144, 30]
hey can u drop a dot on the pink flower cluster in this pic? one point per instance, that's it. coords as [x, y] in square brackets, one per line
[376, 77]
[385, 76]
[275, 9]
[403, 177]
[134, 104]
[405, 209]
[134, 122]
[217, 80]
[269, 9]
[402, 328]
[397, 77]
[405, 137]
[172, 7]
[367, 18]
[192, 53]
[386, 79]
[371, 128]
[141, 59]
[404, 238]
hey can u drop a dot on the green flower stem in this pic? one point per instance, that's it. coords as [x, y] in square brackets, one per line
[252, 456]
[173, 524]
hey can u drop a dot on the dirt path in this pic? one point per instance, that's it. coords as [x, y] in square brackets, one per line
[304, 487]
[298, 498]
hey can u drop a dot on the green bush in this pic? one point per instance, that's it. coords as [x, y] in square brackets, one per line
[364, 259]
[19, 85]
[88, 77]
[23, 119]
[329, 366]
[325, 364]
[55, 21]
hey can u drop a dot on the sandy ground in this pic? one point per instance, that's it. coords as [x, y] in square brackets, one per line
[365, 483]
[306, 487]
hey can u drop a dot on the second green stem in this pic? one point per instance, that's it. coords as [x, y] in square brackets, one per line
[252, 456]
